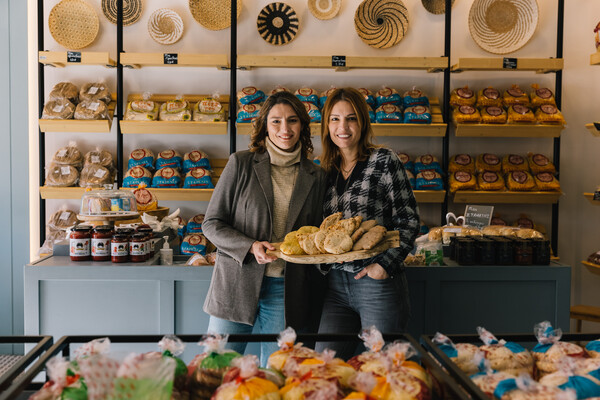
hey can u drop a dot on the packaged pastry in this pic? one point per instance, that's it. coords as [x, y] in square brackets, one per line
[505, 356]
[141, 110]
[246, 381]
[95, 175]
[411, 179]
[247, 113]
[166, 177]
[194, 225]
[95, 91]
[62, 219]
[461, 162]
[540, 163]
[488, 162]
[549, 114]
[313, 111]
[278, 89]
[61, 175]
[198, 178]
[520, 181]
[195, 159]
[514, 162]
[388, 113]
[546, 181]
[462, 354]
[91, 109]
[429, 180]
[194, 243]
[141, 158]
[462, 97]
[325, 94]
[520, 113]
[493, 115]
[175, 110]
[145, 199]
[540, 96]
[68, 155]
[408, 164]
[169, 158]
[99, 157]
[306, 94]
[136, 175]
[462, 180]
[417, 115]
[58, 109]
[489, 97]
[387, 95]
[515, 95]
[208, 109]
[368, 95]
[288, 350]
[64, 90]
[426, 162]
[462, 114]
[371, 114]
[550, 349]
[250, 95]
[415, 97]
[490, 180]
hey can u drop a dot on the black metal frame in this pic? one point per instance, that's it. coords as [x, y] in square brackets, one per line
[43, 343]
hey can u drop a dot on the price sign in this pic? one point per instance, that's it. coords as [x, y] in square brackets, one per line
[74, 56]
[597, 195]
[509, 63]
[338, 61]
[170, 58]
[478, 216]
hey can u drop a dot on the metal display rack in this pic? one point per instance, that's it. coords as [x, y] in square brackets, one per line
[42, 343]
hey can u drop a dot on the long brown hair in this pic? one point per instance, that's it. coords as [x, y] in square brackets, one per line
[259, 133]
[331, 157]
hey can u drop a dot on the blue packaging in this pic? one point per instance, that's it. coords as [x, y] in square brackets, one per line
[247, 113]
[417, 115]
[194, 225]
[195, 159]
[198, 178]
[368, 95]
[426, 162]
[313, 112]
[169, 158]
[415, 97]
[141, 158]
[166, 178]
[194, 243]
[251, 95]
[429, 180]
[408, 164]
[388, 96]
[388, 114]
[309, 95]
[137, 175]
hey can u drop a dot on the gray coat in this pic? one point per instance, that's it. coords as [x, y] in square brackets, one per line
[241, 212]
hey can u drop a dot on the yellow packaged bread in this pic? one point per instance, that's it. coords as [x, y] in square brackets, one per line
[462, 97]
[540, 96]
[493, 115]
[462, 114]
[549, 114]
[145, 199]
[462, 180]
[514, 162]
[520, 113]
[488, 162]
[461, 162]
[546, 181]
[521, 181]
[490, 180]
[515, 95]
[540, 163]
[489, 97]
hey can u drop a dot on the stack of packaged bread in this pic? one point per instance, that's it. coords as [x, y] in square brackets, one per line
[424, 173]
[89, 102]
[69, 167]
[207, 109]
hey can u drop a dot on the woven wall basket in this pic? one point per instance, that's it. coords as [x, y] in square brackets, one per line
[277, 23]
[132, 11]
[324, 9]
[73, 24]
[435, 6]
[165, 26]
[381, 23]
[503, 26]
[213, 14]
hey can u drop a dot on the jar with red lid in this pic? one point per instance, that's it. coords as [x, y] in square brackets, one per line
[119, 248]
[79, 243]
[137, 247]
[147, 230]
[101, 236]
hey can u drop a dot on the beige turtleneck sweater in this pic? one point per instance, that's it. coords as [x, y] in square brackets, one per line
[284, 171]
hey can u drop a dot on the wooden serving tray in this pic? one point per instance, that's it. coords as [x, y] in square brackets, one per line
[392, 239]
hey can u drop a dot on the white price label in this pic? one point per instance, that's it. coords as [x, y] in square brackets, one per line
[93, 90]
[95, 160]
[61, 153]
[58, 108]
[94, 106]
[65, 170]
[64, 215]
[100, 173]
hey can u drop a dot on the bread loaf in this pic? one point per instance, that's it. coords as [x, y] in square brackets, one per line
[91, 110]
[95, 91]
[95, 175]
[62, 175]
[58, 109]
[141, 158]
[166, 178]
[68, 155]
[175, 110]
[141, 110]
[146, 200]
[137, 175]
[99, 157]
[62, 219]
[64, 90]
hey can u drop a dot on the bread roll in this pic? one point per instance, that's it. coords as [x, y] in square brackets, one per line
[95, 91]
[95, 175]
[64, 90]
[62, 175]
[99, 157]
[68, 155]
[58, 109]
[91, 110]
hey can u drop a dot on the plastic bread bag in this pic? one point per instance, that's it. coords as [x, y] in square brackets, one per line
[466, 114]
[62, 219]
[401, 355]
[408, 164]
[550, 349]
[145, 199]
[194, 243]
[490, 180]
[585, 385]
[61, 175]
[493, 115]
[461, 162]
[95, 91]
[308, 95]
[195, 159]
[395, 385]
[247, 112]
[462, 354]
[142, 110]
[141, 158]
[325, 94]
[417, 115]
[414, 97]
[311, 388]
[66, 91]
[324, 366]
[432, 252]
[505, 356]
[137, 175]
[196, 260]
[198, 178]
[58, 109]
[411, 179]
[68, 155]
[288, 348]
[540, 163]
[91, 110]
[171, 346]
[515, 95]
[313, 112]
[549, 114]
[175, 110]
[540, 96]
[387, 95]
[245, 381]
[194, 225]
[250, 95]
[487, 379]
[169, 158]
[488, 162]
[166, 177]
[99, 157]
[209, 109]
[463, 97]
[429, 180]
[514, 162]
[546, 181]
[278, 89]
[428, 162]
[145, 376]
[388, 113]
[489, 97]
[519, 113]
[96, 176]
[520, 181]
[524, 387]
[368, 95]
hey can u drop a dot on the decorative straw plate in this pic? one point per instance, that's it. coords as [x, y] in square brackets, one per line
[503, 26]
[381, 23]
[132, 10]
[324, 9]
[213, 14]
[277, 23]
[73, 24]
[435, 6]
[165, 26]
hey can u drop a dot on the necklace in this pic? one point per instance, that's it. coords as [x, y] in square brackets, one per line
[347, 171]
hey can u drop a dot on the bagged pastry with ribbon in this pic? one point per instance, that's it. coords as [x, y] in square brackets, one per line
[490, 180]
[509, 357]
[540, 96]
[288, 348]
[462, 354]
[540, 163]
[466, 114]
[387, 95]
[175, 110]
[546, 181]
[388, 113]
[488, 162]
[461, 162]
[209, 109]
[520, 181]
[250, 95]
[549, 114]
[462, 180]
[515, 95]
[489, 97]
[308, 95]
[493, 115]
[463, 97]
[245, 381]
[514, 162]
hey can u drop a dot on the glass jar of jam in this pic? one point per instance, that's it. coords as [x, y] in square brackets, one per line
[101, 236]
[79, 243]
[523, 252]
[137, 247]
[119, 248]
[147, 230]
[541, 251]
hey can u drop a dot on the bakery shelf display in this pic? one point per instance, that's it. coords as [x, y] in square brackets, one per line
[594, 128]
[593, 268]
[505, 197]
[65, 58]
[139, 60]
[595, 58]
[168, 194]
[538, 65]
[57, 192]
[430, 64]
[430, 196]
[590, 197]
[508, 130]
[80, 125]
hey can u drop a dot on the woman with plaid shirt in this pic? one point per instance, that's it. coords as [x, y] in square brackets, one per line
[368, 181]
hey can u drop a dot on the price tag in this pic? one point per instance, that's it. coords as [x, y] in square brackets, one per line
[93, 90]
[61, 153]
[597, 195]
[65, 170]
[338, 61]
[170, 58]
[74, 56]
[58, 108]
[509, 63]
[100, 173]
[64, 215]
[95, 159]
[94, 106]
[478, 216]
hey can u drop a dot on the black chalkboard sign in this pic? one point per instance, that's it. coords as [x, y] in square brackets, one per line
[478, 216]
[509, 63]
[74, 56]
[597, 195]
[170, 58]
[338, 61]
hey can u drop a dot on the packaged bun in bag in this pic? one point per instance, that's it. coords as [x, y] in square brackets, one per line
[540, 96]
[95, 91]
[520, 181]
[166, 177]
[461, 162]
[466, 114]
[490, 180]
[169, 158]
[209, 109]
[250, 95]
[489, 97]
[95, 175]
[414, 97]
[195, 159]
[247, 112]
[246, 381]
[388, 113]
[540, 163]
[58, 109]
[488, 162]
[519, 113]
[99, 157]
[308, 95]
[550, 349]
[549, 114]
[91, 110]
[514, 162]
[68, 155]
[463, 97]
[64, 90]
[137, 175]
[515, 95]
[142, 110]
[387, 95]
[198, 178]
[493, 115]
[61, 175]
[141, 158]
[175, 110]
[145, 199]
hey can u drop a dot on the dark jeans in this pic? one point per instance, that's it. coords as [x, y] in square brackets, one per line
[352, 305]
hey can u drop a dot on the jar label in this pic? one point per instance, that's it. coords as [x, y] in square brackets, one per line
[137, 248]
[79, 247]
[119, 249]
[100, 247]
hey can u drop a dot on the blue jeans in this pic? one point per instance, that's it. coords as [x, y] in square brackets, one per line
[352, 305]
[270, 318]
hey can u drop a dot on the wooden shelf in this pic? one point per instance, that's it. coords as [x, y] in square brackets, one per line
[590, 197]
[538, 65]
[60, 59]
[166, 194]
[505, 197]
[508, 130]
[429, 196]
[80, 125]
[429, 64]
[593, 268]
[595, 58]
[139, 60]
[594, 128]
[57, 192]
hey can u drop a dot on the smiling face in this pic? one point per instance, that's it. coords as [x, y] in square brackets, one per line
[344, 130]
[283, 127]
